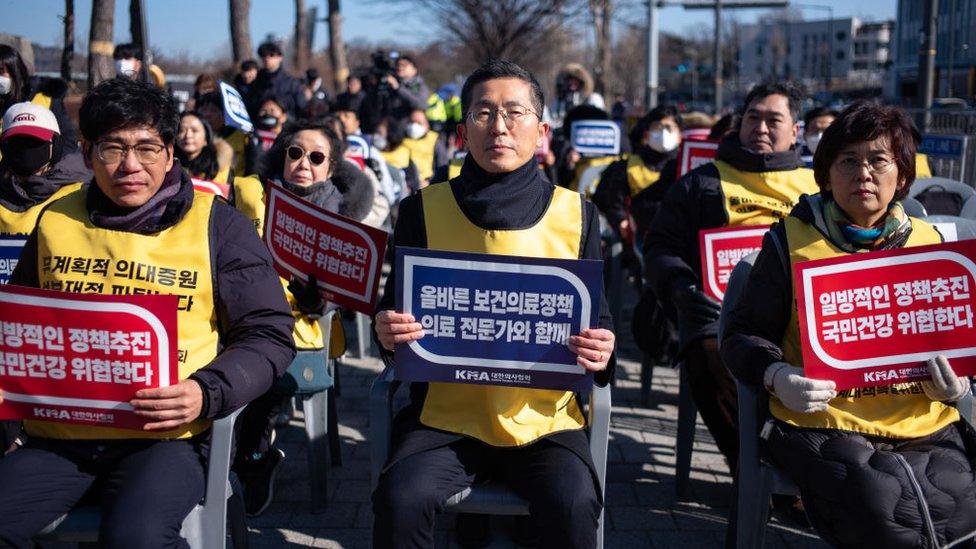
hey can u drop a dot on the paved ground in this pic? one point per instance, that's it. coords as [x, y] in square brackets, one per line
[641, 507]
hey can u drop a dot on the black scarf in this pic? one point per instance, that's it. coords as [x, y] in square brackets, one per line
[166, 208]
[322, 193]
[19, 194]
[512, 200]
[730, 150]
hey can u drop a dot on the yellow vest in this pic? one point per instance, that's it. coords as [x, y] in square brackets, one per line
[238, 141]
[585, 163]
[249, 200]
[436, 109]
[762, 198]
[639, 176]
[399, 157]
[175, 260]
[895, 411]
[454, 167]
[422, 154]
[502, 416]
[42, 99]
[22, 223]
[922, 169]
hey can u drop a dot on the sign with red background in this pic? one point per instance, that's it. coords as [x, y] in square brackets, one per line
[344, 255]
[80, 358]
[721, 249]
[205, 185]
[694, 154]
[874, 319]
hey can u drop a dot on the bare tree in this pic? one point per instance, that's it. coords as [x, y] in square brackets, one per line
[301, 53]
[68, 52]
[337, 49]
[135, 23]
[100, 46]
[601, 12]
[240, 33]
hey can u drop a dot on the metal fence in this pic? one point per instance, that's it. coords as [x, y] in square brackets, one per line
[949, 141]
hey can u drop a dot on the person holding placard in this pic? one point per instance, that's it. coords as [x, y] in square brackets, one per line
[889, 467]
[756, 179]
[532, 439]
[140, 227]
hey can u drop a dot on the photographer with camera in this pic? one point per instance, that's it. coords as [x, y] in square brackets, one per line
[393, 88]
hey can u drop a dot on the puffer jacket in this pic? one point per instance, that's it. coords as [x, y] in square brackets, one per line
[858, 490]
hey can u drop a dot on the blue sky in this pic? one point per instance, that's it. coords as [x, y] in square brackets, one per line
[201, 28]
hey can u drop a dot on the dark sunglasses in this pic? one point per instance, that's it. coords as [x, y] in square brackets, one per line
[297, 153]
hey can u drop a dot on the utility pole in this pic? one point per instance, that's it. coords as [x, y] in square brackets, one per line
[650, 98]
[717, 57]
[950, 92]
[926, 60]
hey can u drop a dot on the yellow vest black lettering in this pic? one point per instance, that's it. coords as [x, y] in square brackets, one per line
[762, 198]
[901, 411]
[22, 223]
[502, 416]
[174, 261]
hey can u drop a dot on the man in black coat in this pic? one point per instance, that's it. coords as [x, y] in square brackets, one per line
[273, 80]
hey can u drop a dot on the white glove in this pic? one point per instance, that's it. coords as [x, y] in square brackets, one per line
[796, 392]
[945, 386]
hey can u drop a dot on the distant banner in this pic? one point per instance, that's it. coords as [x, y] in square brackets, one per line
[205, 185]
[694, 154]
[235, 111]
[10, 248]
[874, 319]
[721, 249]
[80, 358]
[345, 256]
[495, 320]
[595, 137]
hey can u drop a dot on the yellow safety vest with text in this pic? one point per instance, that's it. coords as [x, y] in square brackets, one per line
[895, 411]
[175, 260]
[502, 416]
[762, 198]
[22, 223]
[422, 154]
[639, 176]
[307, 334]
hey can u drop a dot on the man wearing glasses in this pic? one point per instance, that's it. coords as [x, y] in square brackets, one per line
[452, 435]
[234, 326]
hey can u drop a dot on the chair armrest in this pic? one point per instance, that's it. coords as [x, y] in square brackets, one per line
[380, 421]
[221, 447]
[599, 420]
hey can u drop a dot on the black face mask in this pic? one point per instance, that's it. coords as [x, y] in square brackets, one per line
[25, 156]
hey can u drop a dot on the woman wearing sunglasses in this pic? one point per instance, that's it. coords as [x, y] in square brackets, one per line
[888, 466]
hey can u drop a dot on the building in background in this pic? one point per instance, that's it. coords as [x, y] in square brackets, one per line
[955, 59]
[839, 55]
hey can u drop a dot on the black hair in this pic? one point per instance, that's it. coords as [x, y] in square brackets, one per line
[582, 112]
[396, 132]
[315, 108]
[866, 121]
[794, 95]
[409, 59]
[249, 64]
[205, 164]
[274, 99]
[273, 161]
[127, 51]
[636, 135]
[122, 103]
[269, 48]
[498, 68]
[11, 60]
[347, 102]
[729, 122]
[311, 74]
[817, 112]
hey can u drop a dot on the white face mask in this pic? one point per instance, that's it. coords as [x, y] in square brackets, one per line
[415, 130]
[662, 141]
[5, 85]
[125, 67]
[379, 141]
[813, 140]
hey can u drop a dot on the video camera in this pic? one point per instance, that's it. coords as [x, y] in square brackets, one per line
[384, 62]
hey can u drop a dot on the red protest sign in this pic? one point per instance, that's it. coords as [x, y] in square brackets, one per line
[721, 249]
[694, 154]
[80, 358]
[220, 189]
[344, 255]
[873, 319]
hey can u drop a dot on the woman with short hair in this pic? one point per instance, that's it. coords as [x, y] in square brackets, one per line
[891, 467]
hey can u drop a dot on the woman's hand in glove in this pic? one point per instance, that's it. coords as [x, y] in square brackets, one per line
[307, 297]
[796, 392]
[945, 385]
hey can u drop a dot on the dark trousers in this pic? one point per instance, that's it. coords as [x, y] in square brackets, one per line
[713, 390]
[256, 425]
[558, 485]
[146, 488]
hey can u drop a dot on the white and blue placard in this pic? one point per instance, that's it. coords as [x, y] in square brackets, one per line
[595, 137]
[10, 248]
[495, 320]
[235, 112]
[356, 145]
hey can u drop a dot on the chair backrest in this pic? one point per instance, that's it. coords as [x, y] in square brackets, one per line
[737, 283]
[953, 228]
[969, 209]
[943, 183]
[913, 207]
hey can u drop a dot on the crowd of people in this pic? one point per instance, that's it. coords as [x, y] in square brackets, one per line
[487, 168]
